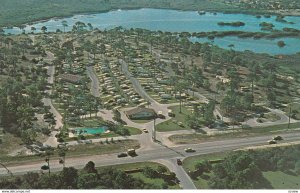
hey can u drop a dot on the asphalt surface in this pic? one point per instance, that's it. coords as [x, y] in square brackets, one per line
[136, 83]
[159, 153]
[95, 82]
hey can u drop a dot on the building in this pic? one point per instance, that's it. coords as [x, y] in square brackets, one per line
[141, 113]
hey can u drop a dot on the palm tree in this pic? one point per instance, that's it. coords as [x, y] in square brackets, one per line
[44, 29]
[33, 29]
[64, 24]
[22, 28]
[180, 87]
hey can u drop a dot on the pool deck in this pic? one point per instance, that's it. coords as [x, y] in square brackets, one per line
[85, 133]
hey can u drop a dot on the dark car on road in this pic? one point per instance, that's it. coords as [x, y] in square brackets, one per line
[122, 155]
[277, 138]
[272, 142]
[179, 162]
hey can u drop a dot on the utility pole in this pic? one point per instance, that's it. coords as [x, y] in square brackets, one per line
[154, 131]
[290, 116]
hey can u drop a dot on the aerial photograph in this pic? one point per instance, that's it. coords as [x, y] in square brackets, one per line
[150, 94]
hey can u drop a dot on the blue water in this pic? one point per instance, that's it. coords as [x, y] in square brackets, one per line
[258, 46]
[179, 21]
[98, 130]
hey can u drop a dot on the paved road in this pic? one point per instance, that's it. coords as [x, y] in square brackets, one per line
[136, 84]
[185, 181]
[52, 141]
[95, 82]
[154, 154]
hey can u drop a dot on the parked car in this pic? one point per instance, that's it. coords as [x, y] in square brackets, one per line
[170, 113]
[179, 162]
[272, 142]
[145, 130]
[122, 155]
[161, 115]
[277, 138]
[131, 152]
[189, 150]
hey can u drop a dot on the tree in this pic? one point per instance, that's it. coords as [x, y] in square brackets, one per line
[87, 181]
[44, 29]
[233, 75]
[69, 178]
[253, 76]
[247, 101]
[31, 180]
[49, 182]
[237, 171]
[33, 29]
[209, 112]
[90, 26]
[64, 24]
[161, 169]
[297, 167]
[79, 26]
[149, 172]
[203, 166]
[90, 167]
[180, 87]
[271, 96]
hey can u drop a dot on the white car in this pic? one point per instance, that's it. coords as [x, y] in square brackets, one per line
[189, 150]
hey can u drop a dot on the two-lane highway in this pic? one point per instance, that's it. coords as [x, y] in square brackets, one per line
[154, 154]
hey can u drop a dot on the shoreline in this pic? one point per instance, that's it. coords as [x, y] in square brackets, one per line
[224, 11]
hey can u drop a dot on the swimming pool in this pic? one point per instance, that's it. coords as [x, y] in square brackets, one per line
[97, 130]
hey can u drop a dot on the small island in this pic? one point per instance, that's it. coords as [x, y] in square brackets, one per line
[266, 26]
[281, 44]
[233, 24]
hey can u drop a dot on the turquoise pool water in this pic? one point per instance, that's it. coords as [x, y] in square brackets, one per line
[97, 130]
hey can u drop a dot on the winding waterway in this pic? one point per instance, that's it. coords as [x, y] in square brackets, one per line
[188, 21]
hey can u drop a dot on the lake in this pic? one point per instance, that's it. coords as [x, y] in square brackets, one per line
[189, 21]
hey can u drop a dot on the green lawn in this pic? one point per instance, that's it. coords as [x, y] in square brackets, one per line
[275, 179]
[172, 124]
[295, 110]
[88, 122]
[198, 138]
[156, 181]
[78, 150]
[134, 131]
[98, 148]
[140, 175]
[280, 180]
[190, 162]
[9, 143]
